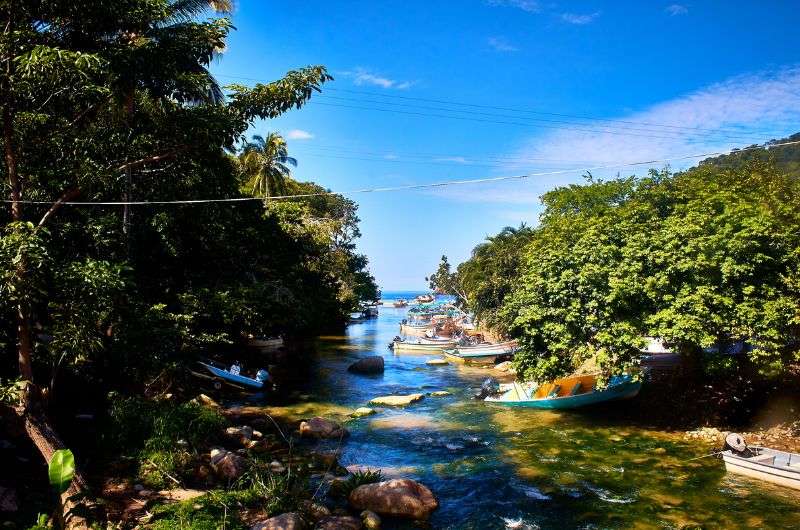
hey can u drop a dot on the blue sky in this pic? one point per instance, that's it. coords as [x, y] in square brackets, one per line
[432, 91]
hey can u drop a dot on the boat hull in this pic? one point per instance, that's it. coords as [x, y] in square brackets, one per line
[782, 476]
[404, 347]
[231, 378]
[624, 390]
[414, 331]
[475, 358]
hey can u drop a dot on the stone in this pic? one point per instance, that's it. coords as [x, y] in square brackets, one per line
[436, 362]
[398, 497]
[397, 401]
[373, 364]
[276, 467]
[8, 500]
[440, 393]
[339, 522]
[286, 521]
[362, 411]
[206, 401]
[314, 510]
[504, 366]
[318, 427]
[243, 433]
[227, 465]
[371, 520]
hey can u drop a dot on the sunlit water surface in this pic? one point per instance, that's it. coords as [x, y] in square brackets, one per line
[496, 467]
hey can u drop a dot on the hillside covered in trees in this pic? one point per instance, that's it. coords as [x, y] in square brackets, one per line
[702, 258]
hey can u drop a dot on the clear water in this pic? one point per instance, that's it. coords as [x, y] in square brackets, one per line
[496, 467]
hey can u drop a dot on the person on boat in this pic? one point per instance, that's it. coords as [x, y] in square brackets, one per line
[236, 368]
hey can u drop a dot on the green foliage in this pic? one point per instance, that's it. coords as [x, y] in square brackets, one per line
[10, 391]
[343, 488]
[41, 523]
[702, 259]
[61, 470]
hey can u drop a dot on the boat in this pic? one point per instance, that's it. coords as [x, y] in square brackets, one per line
[499, 348]
[415, 329]
[265, 342]
[569, 393]
[448, 341]
[770, 465]
[400, 303]
[481, 357]
[227, 376]
[418, 347]
[425, 298]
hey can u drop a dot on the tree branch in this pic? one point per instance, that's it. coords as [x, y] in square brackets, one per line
[65, 197]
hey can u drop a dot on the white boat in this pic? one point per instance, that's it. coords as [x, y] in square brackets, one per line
[779, 467]
[499, 348]
[418, 347]
[415, 330]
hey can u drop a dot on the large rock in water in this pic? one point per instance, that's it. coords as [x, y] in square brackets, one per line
[397, 401]
[286, 521]
[339, 522]
[368, 365]
[227, 465]
[399, 498]
[321, 428]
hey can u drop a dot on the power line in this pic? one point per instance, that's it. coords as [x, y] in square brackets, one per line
[413, 186]
[736, 131]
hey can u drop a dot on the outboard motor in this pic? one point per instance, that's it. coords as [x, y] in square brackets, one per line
[262, 376]
[489, 387]
[736, 444]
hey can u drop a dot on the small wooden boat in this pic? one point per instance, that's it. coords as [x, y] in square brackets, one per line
[779, 467]
[569, 393]
[497, 349]
[425, 298]
[415, 330]
[482, 357]
[418, 347]
[222, 375]
[400, 303]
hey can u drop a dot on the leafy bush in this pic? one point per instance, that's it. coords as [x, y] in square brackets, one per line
[342, 488]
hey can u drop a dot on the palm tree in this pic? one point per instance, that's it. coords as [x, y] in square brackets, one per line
[265, 163]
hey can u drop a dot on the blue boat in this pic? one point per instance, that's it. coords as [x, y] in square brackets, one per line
[569, 393]
[262, 377]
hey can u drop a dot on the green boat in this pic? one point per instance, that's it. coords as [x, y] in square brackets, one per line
[569, 393]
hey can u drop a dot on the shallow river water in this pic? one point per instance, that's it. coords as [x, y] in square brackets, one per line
[496, 467]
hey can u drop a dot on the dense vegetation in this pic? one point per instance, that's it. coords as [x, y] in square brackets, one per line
[702, 258]
[108, 101]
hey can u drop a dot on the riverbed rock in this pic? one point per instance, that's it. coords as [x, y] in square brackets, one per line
[398, 497]
[371, 520]
[227, 465]
[436, 362]
[362, 411]
[339, 522]
[368, 365]
[206, 401]
[440, 393]
[505, 366]
[397, 401]
[243, 433]
[314, 510]
[319, 427]
[286, 521]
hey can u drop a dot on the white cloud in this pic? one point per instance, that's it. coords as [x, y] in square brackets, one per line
[676, 9]
[501, 44]
[531, 6]
[299, 134]
[362, 76]
[737, 112]
[580, 20]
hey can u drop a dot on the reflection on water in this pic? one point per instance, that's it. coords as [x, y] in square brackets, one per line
[495, 467]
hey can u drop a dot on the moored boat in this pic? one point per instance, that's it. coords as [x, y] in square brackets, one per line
[400, 303]
[418, 347]
[415, 330]
[779, 467]
[498, 349]
[235, 378]
[480, 357]
[569, 393]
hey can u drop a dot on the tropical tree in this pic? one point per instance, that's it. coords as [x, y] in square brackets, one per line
[265, 164]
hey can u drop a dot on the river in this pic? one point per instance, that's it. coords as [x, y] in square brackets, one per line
[495, 467]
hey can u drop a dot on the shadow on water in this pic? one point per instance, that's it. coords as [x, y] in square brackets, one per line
[497, 467]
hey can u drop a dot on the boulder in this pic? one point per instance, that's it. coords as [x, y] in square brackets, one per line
[437, 362]
[440, 393]
[286, 521]
[371, 520]
[227, 465]
[397, 401]
[368, 365]
[314, 510]
[398, 497]
[362, 411]
[318, 427]
[243, 433]
[206, 401]
[339, 522]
